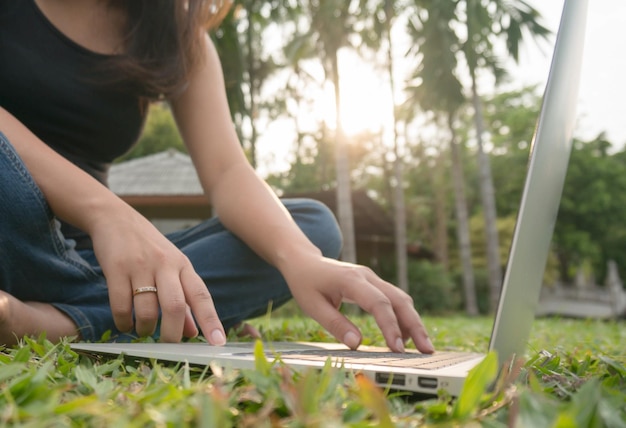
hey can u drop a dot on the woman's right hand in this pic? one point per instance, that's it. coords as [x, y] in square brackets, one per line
[134, 254]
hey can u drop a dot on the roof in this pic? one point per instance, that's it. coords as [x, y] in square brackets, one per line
[167, 184]
[168, 173]
[370, 219]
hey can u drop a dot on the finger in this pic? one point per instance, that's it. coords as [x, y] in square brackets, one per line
[146, 310]
[335, 322]
[202, 307]
[190, 328]
[410, 322]
[173, 306]
[413, 327]
[375, 302]
[248, 330]
[121, 301]
[146, 304]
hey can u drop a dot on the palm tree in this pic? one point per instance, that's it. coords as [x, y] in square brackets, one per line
[247, 66]
[486, 21]
[439, 90]
[383, 16]
[330, 29]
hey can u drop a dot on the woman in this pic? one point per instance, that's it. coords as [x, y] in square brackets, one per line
[75, 79]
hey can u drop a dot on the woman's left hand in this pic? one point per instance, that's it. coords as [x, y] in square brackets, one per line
[319, 285]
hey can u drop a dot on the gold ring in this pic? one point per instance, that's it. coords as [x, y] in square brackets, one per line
[144, 290]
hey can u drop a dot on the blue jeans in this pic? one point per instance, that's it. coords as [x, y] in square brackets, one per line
[38, 264]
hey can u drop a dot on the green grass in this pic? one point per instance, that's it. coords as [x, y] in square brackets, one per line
[574, 376]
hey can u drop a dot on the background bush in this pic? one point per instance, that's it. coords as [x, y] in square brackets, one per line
[433, 290]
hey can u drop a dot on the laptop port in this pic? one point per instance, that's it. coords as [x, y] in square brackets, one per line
[427, 382]
[390, 379]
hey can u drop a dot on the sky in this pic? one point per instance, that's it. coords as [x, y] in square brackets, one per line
[602, 93]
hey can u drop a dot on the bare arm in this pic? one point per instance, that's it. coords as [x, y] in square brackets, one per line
[244, 202]
[130, 250]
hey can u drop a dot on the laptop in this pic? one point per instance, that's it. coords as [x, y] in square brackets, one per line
[427, 374]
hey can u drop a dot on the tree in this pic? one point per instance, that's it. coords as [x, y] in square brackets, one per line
[247, 64]
[428, 195]
[485, 21]
[590, 225]
[309, 171]
[384, 15]
[438, 89]
[330, 29]
[511, 119]
[589, 230]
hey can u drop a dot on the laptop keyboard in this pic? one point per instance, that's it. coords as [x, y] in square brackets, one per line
[389, 359]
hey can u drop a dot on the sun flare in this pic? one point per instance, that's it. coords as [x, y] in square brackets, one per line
[366, 103]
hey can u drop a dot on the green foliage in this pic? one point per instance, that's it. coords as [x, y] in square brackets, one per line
[511, 118]
[431, 288]
[576, 398]
[160, 133]
[477, 230]
[478, 381]
[481, 283]
[312, 168]
[434, 85]
[590, 224]
[589, 228]
[585, 385]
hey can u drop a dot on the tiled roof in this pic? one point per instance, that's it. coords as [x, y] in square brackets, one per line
[169, 173]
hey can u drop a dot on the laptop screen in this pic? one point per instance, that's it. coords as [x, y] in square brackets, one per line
[549, 157]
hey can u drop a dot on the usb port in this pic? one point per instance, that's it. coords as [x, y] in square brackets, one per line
[391, 379]
[427, 382]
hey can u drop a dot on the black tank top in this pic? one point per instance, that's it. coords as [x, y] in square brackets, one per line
[50, 84]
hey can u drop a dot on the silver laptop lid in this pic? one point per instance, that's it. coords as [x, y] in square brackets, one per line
[549, 157]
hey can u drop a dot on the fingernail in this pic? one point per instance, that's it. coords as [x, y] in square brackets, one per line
[399, 345]
[351, 340]
[218, 338]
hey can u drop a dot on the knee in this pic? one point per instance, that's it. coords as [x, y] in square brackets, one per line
[318, 223]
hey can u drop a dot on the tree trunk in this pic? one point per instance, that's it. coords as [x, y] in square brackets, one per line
[344, 193]
[441, 215]
[400, 224]
[402, 277]
[465, 250]
[488, 198]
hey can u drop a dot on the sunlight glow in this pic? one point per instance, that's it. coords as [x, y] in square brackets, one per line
[366, 106]
[366, 103]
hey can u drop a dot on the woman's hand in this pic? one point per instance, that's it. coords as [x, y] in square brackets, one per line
[131, 251]
[319, 285]
[133, 254]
